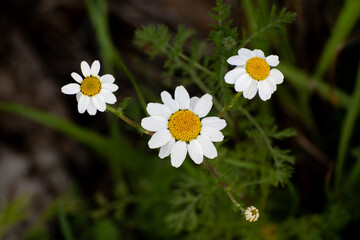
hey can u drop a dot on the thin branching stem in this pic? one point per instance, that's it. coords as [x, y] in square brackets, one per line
[223, 185]
[208, 166]
[257, 126]
[127, 120]
[98, 15]
[230, 105]
[197, 65]
[142, 130]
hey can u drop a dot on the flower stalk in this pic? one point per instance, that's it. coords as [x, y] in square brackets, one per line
[230, 105]
[223, 185]
[120, 115]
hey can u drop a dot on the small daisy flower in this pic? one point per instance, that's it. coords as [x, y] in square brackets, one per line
[251, 214]
[92, 91]
[179, 128]
[252, 73]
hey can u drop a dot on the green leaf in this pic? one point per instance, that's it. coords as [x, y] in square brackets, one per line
[123, 105]
[153, 39]
[348, 17]
[64, 224]
[12, 213]
[347, 130]
[87, 137]
[285, 133]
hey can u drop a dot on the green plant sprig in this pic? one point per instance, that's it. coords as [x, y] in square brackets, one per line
[119, 113]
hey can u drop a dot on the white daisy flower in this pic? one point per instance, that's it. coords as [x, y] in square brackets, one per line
[92, 91]
[251, 214]
[252, 73]
[179, 128]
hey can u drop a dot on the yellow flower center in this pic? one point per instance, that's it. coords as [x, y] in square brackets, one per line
[184, 125]
[257, 68]
[254, 212]
[90, 86]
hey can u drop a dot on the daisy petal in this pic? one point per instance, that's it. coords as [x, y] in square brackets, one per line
[182, 97]
[246, 52]
[251, 91]
[272, 83]
[95, 68]
[211, 134]
[85, 69]
[169, 101]
[264, 90]
[78, 95]
[99, 102]
[237, 60]
[83, 103]
[76, 77]
[208, 147]
[259, 53]
[107, 78]
[193, 102]
[277, 75]
[272, 60]
[110, 86]
[203, 106]
[243, 83]
[178, 154]
[108, 96]
[159, 139]
[157, 109]
[233, 75]
[154, 123]
[214, 122]
[71, 88]
[195, 151]
[166, 149]
[91, 109]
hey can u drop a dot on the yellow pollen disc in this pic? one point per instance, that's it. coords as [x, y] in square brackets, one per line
[254, 212]
[90, 86]
[184, 125]
[257, 68]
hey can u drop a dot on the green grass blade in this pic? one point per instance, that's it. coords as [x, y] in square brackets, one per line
[11, 213]
[345, 22]
[346, 131]
[64, 224]
[87, 137]
[354, 176]
[97, 10]
[308, 83]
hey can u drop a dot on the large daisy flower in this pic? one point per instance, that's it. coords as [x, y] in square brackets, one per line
[179, 128]
[252, 73]
[92, 91]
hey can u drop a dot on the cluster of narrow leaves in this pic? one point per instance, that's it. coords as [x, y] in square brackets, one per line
[243, 164]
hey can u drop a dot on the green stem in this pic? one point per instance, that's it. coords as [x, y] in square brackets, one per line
[97, 10]
[196, 79]
[230, 105]
[223, 185]
[257, 126]
[258, 32]
[347, 129]
[345, 22]
[310, 83]
[197, 65]
[64, 224]
[127, 120]
[127, 72]
[203, 87]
